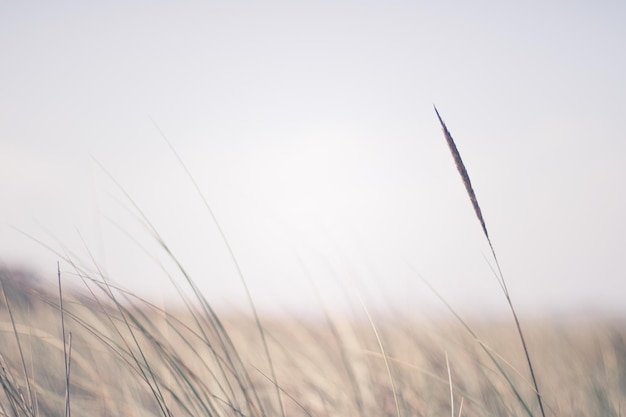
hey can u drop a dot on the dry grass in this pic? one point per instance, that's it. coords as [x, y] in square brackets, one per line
[104, 352]
[134, 359]
[460, 166]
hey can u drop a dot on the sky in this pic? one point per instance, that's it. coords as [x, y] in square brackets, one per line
[298, 142]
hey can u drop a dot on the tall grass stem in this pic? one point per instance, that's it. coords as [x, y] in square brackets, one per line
[458, 161]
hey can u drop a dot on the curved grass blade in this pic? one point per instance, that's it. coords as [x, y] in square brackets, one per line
[460, 166]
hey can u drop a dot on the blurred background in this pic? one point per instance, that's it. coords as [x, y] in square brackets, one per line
[309, 129]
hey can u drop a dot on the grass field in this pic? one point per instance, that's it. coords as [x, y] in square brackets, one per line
[134, 359]
[102, 351]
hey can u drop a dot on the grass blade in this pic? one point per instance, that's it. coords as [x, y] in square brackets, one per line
[235, 261]
[451, 387]
[472, 195]
[66, 356]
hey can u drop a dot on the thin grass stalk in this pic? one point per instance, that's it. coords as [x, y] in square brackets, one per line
[384, 355]
[32, 370]
[227, 345]
[123, 352]
[69, 369]
[143, 364]
[65, 354]
[214, 321]
[291, 397]
[450, 383]
[437, 378]
[179, 367]
[173, 360]
[231, 252]
[472, 196]
[483, 347]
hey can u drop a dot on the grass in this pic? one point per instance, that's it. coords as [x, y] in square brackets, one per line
[103, 351]
[458, 161]
[136, 359]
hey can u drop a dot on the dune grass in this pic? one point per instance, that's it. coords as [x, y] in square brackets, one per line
[130, 357]
[458, 161]
[103, 351]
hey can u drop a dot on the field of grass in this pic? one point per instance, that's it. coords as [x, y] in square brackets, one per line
[101, 351]
[127, 357]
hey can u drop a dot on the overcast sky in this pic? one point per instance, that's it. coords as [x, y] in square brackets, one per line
[310, 131]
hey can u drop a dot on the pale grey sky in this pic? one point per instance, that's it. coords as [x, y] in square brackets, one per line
[309, 128]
